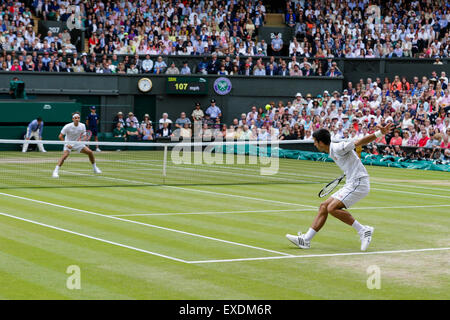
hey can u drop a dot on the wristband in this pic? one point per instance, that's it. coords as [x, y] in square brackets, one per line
[378, 134]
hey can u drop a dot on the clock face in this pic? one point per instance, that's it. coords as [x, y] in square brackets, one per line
[145, 85]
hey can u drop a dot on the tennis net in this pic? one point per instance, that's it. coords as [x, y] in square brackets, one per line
[150, 163]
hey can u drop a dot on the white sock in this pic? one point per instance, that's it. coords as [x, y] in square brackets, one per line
[358, 227]
[310, 234]
[57, 168]
[94, 166]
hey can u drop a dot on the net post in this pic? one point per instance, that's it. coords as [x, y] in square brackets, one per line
[164, 164]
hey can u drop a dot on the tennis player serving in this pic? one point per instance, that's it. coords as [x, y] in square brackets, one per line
[75, 131]
[356, 187]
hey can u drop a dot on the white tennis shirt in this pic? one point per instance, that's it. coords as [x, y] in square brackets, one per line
[72, 132]
[347, 159]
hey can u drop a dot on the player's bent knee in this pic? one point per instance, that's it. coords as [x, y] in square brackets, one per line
[323, 207]
[331, 208]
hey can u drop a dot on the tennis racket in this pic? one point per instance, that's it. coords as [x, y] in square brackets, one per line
[330, 187]
[85, 136]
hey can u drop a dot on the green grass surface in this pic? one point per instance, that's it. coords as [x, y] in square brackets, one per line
[134, 238]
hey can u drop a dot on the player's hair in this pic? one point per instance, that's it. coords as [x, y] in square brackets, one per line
[76, 112]
[322, 135]
[39, 119]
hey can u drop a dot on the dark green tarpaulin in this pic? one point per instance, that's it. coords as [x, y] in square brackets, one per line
[367, 159]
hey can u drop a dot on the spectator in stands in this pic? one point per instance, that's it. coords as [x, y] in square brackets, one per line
[290, 18]
[413, 140]
[147, 132]
[283, 71]
[213, 65]
[132, 121]
[203, 66]
[119, 119]
[182, 120]
[424, 138]
[119, 133]
[295, 71]
[172, 69]
[185, 132]
[164, 131]
[147, 64]
[132, 131]
[307, 71]
[132, 69]
[165, 119]
[16, 66]
[185, 70]
[144, 122]
[160, 66]
[333, 72]
[259, 69]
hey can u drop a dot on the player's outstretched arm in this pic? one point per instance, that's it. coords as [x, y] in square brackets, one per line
[371, 137]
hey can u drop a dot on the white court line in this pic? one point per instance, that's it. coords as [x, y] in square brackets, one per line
[408, 186]
[304, 175]
[208, 212]
[326, 176]
[242, 197]
[93, 238]
[410, 192]
[194, 190]
[269, 211]
[319, 255]
[144, 224]
[312, 167]
[174, 167]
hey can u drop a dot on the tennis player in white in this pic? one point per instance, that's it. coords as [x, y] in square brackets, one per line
[356, 187]
[72, 132]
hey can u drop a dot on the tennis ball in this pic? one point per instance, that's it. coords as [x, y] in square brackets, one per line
[267, 106]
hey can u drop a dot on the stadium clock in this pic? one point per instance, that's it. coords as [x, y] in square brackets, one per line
[145, 84]
[186, 85]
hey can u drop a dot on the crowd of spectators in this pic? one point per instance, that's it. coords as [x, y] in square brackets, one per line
[224, 34]
[349, 28]
[419, 109]
[140, 36]
[54, 61]
[369, 29]
[162, 27]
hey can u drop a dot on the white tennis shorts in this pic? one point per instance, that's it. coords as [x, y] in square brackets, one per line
[77, 147]
[353, 191]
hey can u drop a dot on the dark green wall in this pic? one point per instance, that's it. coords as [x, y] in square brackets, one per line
[115, 93]
[28, 110]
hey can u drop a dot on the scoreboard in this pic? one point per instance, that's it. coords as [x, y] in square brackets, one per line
[186, 85]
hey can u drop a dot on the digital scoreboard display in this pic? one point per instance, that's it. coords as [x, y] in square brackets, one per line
[186, 85]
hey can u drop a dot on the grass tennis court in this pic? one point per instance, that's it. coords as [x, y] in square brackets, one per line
[134, 238]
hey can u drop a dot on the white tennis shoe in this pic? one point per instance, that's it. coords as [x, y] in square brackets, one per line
[55, 174]
[97, 170]
[299, 240]
[366, 236]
